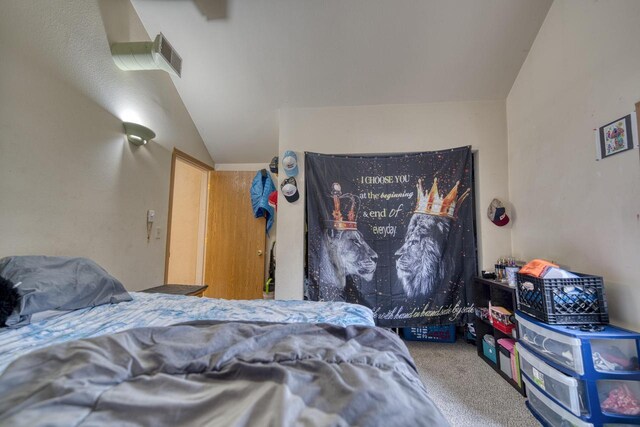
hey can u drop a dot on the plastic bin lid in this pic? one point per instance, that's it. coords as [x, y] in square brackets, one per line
[604, 331]
[507, 343]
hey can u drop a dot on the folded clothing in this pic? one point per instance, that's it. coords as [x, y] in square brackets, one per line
[536, 267]
[611, 358]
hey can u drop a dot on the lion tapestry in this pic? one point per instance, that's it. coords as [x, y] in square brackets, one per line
[394, 233]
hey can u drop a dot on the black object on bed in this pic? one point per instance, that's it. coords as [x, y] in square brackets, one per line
[8, 299]
[219, 373]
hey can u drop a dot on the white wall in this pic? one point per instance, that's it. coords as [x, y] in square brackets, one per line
[70, 184]
[386, 129]
[583, 71]
[242, 167]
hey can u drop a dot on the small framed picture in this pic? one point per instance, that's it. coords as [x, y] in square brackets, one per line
[616, 137]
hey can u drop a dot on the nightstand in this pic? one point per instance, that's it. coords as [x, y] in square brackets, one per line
[191, 290]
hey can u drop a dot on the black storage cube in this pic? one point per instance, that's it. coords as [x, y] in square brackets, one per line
[563, 301]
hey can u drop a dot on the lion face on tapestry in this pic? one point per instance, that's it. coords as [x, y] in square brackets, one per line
[420, 264]
[346, 254]
[422, 261]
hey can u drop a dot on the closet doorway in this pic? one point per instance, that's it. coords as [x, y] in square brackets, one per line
[187, 224]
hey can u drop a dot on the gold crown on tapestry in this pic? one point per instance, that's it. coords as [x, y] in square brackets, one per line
[344, 214]
[432, 203]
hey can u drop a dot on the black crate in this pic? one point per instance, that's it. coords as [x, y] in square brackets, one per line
[563, 301]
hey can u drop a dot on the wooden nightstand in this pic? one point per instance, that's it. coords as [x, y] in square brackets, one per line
[191, 290]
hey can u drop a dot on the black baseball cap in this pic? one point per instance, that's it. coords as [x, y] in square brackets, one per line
[289, 189]
[273, 166]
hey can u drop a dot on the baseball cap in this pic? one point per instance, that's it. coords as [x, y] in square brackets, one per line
[497, 213]
[273, 166]
[289, 188]
[290, 163]
[273, 200]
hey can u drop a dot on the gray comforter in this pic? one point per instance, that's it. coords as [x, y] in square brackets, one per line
[218, 374]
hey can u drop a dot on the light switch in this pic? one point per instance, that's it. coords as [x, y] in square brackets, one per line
[158, 233]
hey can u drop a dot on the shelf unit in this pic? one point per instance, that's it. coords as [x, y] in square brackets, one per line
[500, 294]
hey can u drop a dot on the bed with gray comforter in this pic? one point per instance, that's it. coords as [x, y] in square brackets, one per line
[219, 374]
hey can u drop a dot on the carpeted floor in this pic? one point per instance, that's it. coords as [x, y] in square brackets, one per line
[466, 389]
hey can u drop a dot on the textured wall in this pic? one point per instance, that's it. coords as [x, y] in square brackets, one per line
[388, 129]
[70, 184]
[583, 71]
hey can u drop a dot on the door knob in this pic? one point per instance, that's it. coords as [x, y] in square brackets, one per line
[259, 252]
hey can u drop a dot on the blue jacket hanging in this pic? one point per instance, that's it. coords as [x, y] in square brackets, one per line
[261, 187]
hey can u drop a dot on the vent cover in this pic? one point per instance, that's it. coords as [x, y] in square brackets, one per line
[169, 54]
[156, 55]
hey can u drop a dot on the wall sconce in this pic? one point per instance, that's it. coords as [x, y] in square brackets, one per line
[138, 134]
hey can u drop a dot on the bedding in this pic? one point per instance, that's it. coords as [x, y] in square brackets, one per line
[162, 310]
[58, 283]
[221, 373]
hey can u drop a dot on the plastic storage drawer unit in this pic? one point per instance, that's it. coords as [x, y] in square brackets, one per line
[599, 363]
[549, 412]
[566, 390]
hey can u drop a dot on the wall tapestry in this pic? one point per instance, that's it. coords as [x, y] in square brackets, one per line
[394, 233]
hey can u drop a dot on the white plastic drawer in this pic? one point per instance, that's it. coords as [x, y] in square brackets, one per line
[552, 413]
[565, 389]
[615, 355]
[619, 397]
[560, 348]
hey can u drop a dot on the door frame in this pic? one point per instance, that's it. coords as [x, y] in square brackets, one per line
[178, 154]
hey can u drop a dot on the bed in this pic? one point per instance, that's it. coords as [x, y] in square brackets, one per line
[175, 360]
[146, 310]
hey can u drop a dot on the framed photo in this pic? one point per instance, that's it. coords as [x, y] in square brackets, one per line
[616, 137]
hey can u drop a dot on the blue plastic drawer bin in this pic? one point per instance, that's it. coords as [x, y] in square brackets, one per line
[439, 333]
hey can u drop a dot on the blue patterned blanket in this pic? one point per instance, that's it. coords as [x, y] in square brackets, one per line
[163, 310]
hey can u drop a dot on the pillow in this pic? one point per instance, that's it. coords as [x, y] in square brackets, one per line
[58, 283]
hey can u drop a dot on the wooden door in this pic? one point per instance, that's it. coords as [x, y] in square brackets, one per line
[234, 265]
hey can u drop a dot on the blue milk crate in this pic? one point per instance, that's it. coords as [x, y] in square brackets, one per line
[435, 333]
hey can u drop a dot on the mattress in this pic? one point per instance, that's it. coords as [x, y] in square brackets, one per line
[162, 310]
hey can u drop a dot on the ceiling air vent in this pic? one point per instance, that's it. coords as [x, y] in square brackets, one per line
[155, 55]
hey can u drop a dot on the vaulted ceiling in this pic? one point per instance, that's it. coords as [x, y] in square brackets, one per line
[266, 55]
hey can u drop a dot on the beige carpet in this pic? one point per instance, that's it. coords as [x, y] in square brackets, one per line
[466, 389]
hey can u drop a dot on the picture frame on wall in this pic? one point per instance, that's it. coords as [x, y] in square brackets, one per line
[617, 137]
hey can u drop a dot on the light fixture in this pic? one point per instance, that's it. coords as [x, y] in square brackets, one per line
[138, 134]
